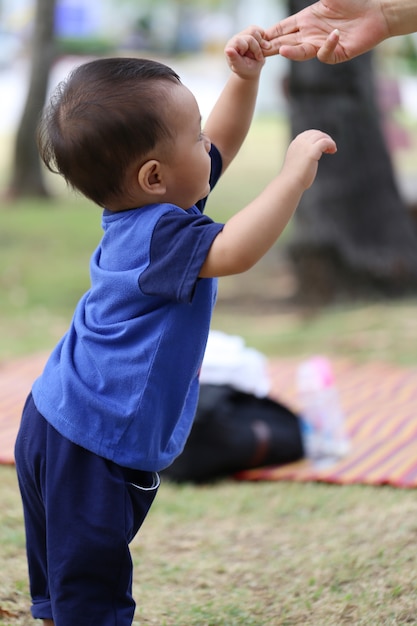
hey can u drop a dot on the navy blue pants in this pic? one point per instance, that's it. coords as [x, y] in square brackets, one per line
[81, 512]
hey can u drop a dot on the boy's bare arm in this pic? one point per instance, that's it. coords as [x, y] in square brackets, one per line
[231, 117]
[249, 234]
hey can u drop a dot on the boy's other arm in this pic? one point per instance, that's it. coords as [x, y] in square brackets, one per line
[231, 117]
[249, 234]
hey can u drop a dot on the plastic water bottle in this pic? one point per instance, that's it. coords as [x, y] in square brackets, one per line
[323, 429]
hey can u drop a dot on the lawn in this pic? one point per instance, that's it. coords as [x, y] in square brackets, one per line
[227, 554]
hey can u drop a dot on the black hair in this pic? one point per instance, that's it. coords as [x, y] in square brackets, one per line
[106, 116]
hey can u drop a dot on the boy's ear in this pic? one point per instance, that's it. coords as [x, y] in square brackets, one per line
[150, 178]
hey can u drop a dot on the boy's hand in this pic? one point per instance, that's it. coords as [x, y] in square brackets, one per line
[245, 52]
[304, 154]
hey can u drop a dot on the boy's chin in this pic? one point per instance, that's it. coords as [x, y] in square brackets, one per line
[206, 193]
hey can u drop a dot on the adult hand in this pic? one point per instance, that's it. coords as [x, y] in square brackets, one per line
[331, 30]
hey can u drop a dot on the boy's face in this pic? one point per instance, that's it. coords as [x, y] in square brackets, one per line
[188, 163]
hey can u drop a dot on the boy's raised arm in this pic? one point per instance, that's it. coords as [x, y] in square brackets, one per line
[231, 117]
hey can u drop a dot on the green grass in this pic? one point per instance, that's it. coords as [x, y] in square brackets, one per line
[362, 332]
[44, 254]
[264, 554]
[228, 554]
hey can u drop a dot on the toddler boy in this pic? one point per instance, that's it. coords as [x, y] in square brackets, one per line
[117, 397]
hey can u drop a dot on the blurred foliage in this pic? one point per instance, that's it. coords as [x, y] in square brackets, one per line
[398, 55]
[85, 46]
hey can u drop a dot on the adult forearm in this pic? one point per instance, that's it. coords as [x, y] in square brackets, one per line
[401, 16]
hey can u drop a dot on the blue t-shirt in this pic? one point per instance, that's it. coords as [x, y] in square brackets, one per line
[123, 381]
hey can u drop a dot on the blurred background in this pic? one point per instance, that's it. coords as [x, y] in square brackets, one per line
[187, 31]
[353, 240]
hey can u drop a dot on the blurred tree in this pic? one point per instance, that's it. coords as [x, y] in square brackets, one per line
[26, 178]
[353, 235]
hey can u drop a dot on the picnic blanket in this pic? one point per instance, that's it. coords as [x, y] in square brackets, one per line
[380, 406]
[16, 378]
[379, 401]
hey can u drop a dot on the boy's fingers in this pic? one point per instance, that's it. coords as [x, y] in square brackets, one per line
[254, 46]
[245, 44]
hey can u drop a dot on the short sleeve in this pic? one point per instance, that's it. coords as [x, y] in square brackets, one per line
[180, 244]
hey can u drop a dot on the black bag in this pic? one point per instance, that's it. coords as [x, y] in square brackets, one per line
[234, 431]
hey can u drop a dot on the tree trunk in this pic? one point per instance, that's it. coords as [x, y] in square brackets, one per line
[26, 179]
[353, 235]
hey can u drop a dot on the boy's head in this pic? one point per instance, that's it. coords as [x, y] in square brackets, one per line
[104, 120]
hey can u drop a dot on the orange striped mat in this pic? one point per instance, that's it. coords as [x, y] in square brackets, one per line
[379, 401]
[16, 378]
[380, 405]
